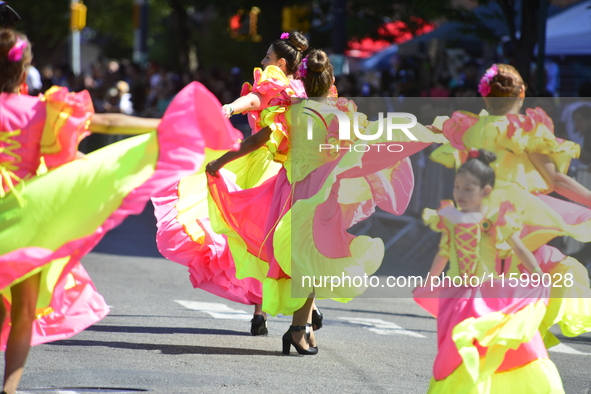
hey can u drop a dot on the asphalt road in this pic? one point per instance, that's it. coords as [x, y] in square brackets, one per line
[166, 337]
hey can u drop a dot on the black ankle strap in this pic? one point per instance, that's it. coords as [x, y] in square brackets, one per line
[297, 328]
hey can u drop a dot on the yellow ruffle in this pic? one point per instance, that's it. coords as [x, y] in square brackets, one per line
[498, 332]
[511, 145]
[539, 376]
[570, 305]
[60, 105]
[432, 219]
[278, 143]
[271, 80]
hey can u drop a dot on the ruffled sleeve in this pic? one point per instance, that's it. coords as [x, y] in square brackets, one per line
[507, 223]
[449, 156]
[275, 118]
[269, 82]
[534, 133]
[436, 221]
[455, 127]
[66, 124]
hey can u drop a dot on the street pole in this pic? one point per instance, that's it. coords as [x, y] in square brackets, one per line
[140, 31]
[75, 51]
[541, 70]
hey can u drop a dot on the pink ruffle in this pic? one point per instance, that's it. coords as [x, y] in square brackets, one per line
[453, 305]
[268, 89]
[75, 128]
[455, 127]
[254, 213]
[529, 121]
[182, 136]
[210, 263]
[74, 309]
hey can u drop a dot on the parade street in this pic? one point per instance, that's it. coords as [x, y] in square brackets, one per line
[163, 336]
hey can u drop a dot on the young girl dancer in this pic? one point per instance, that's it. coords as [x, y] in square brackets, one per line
[56, 205]
[184, 234]
[487, 330]
[531, 162]
[294, 225]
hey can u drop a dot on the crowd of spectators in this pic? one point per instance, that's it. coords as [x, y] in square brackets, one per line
[126, 87]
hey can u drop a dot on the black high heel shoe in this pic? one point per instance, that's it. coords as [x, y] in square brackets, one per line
[288, 342]
[258, 325]
[317, 318]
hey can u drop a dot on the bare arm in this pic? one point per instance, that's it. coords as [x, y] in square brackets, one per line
[249, 102]
[562, 184]
[250, 144]
[437, 266]
[525, 256]
[122, 124]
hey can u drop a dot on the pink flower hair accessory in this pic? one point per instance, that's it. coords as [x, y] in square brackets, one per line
[484, 85]
[284, 36]
[15, 54]
[303, 71]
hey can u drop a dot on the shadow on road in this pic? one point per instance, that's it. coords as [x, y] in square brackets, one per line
[379, 313]
[164, 330]
[169, 349]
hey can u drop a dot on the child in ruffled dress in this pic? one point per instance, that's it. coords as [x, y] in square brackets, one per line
[487, 330]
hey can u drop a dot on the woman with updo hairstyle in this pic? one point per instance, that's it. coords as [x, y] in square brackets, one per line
[487, 334]
[319, 76]
[291, 230]
[280, 64]
[56, 204]
[215, 273]
[291, 49]
[507, 91]
[531, 163]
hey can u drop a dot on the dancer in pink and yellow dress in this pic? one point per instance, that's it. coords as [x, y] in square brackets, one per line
[531, 162]
[56, 205]
[294, 224]
[184, 231]
[487, 331]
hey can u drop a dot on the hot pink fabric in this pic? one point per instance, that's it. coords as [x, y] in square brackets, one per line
[28, 114]
[210, 264]
[455, 127]
[254, 213]
[267, 90]
[453, 305]
[182, 137]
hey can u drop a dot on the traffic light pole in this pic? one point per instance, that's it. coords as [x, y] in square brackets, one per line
[75, 51]
[140, 31]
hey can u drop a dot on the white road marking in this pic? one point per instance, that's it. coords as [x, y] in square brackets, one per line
[562, 348]
[216, 310]
[382, 327]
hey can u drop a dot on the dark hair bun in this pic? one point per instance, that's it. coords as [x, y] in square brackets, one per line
[318, 61]
[486, 156]
[479, 167]
[298, 40]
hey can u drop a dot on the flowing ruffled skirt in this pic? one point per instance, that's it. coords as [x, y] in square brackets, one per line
[60, 216]
[184, 232]
[544, 218]
[488, 339]
[290, 236]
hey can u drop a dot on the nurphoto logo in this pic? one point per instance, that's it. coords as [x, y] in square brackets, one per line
[391, 123]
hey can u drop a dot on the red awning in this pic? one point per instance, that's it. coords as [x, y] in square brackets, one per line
[395, 32]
